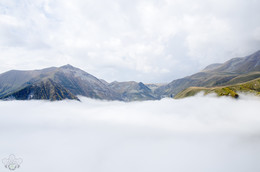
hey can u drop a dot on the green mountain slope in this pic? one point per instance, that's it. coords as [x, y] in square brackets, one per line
[231, 90]
[234, 71]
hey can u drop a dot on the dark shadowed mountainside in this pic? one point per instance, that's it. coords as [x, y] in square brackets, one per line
[67, 82]
[74, 80]
[79, 82]
[43, 90]
[16, 79]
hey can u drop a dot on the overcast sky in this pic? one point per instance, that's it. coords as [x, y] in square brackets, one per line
[142, 40]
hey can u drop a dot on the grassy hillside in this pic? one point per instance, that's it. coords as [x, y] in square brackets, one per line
[234, 71]
[231, 90]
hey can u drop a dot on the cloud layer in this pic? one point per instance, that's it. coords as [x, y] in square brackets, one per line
[150, 41]
[198, 134]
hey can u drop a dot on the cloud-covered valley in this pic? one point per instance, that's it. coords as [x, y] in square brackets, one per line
[198, 134]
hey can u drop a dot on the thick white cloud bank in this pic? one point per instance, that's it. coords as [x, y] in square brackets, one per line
[199, 134]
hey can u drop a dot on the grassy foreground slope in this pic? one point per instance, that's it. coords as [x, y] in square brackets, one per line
[231, 90]
[234, 71]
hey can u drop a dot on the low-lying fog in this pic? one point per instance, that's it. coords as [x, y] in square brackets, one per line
[199, 134]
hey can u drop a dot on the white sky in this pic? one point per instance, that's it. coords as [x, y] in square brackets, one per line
[142, 40]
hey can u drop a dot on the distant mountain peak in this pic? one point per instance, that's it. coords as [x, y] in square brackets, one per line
[212, 66]
[68, 66]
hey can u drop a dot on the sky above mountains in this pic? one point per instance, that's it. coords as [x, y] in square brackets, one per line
[149, 41]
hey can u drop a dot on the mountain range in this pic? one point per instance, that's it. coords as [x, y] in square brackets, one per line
[68, 82]
[234, 71]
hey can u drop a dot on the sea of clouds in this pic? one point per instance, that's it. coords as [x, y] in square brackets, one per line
[198, 134]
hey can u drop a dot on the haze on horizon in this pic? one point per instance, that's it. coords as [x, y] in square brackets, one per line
[141, 40]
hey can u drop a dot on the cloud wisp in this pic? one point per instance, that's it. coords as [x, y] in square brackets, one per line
[197, 134]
